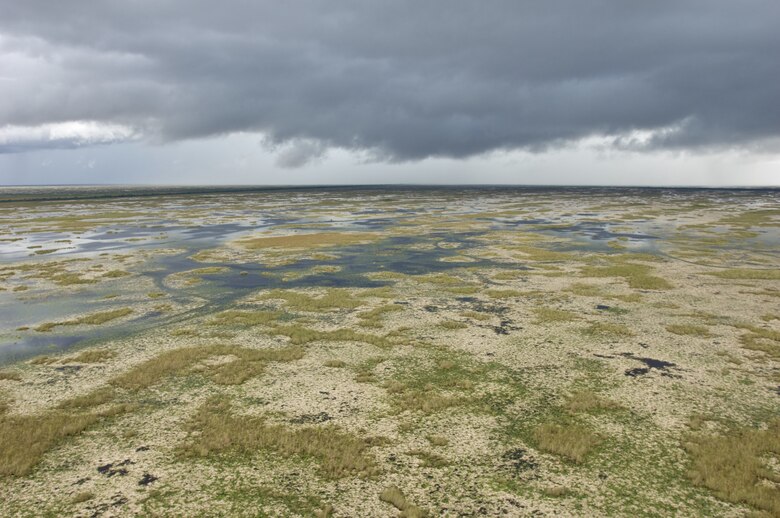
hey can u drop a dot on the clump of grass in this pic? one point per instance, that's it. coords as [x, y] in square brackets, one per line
[115, 274]
[551, 315]
[555, 491]
[336, 364]
[372, 318]
[688, 330]
[606, 329]
[250, 363]
[42, 360]
[246, 318]
[301, 335]
[333, 298]
[593, 290]
[90, 400]
[429, 459]
[426, 400]
[503, 294]
[218, 430]
[747, 274]
[92, 319]
[24, 439]
[638, 276]
[91, 356]
[10, 375]
[320, 239]
[761, 339]
[82, 497]
[438, 440]
[572, 441]
[732, 465]
[452, 324]
[395, 497]
[476, 315]
[589, 401]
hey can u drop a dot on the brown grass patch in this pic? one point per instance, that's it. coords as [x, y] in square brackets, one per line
[589, 401]
[606, 329]
[91, 356]
[24, 439]
[10, 375]
[736, 466]
[572, 441]
[395, 497]
[250, 363]
[218, 430]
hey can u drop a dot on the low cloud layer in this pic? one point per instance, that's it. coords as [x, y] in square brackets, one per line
[402, 80]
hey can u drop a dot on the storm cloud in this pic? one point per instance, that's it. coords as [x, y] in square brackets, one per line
[401, 80]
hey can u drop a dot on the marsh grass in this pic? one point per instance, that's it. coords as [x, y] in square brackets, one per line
[90, 400]
[336, 364]
[395, 497]
[503, 294]
[333, 298]
[735, 465]
[302, 335]
[373, 317]
[92, 319]
[438, 440]
[608, 330]
[551, 315]
[24, 439]
[747, 274]
[452, 324]
[246, 318]
[570, 440]
[689, 330]
[476, 315]
[594, 290]
[218, 430]
[589, 401]
[250, 362]
[760, 339]
[82, 497]
[306, 241]
[91, 356]
[429, 459]
[638, 276]
[10, 375]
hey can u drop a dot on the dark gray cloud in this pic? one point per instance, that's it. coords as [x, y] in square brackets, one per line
[401, 79]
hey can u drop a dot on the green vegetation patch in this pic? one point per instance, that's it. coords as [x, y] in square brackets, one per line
[333, 298]
[92, 319]
[638, 276]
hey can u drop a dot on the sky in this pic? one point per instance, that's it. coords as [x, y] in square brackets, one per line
[604, 92]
